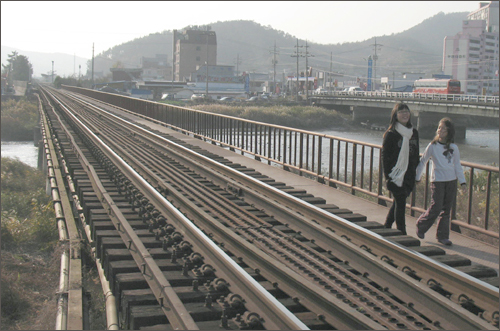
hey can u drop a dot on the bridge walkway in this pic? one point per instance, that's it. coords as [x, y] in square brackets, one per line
[477, 251]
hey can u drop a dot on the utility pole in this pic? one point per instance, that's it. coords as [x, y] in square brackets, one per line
[274, 67]
[297, 54]
[307, 55]
[52, 72]
[206, 87]
[375, 57]
[206, 33]
[330, 74]
[238, 62]
[92, 65]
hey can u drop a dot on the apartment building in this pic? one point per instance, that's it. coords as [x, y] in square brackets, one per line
[192, 49]
[471, 56]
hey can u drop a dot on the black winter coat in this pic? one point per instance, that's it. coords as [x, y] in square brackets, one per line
[390, 152]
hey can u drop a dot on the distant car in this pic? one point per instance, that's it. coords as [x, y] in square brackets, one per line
[108, 89]
[353, 89]
[320, 91]
[168, 96]
[253, 99]
[227, 99]
[198, 97]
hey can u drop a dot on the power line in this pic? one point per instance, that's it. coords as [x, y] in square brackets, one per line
[274, 66]
[375, 57]
[307, 55]
[297, 55]
[238, 62]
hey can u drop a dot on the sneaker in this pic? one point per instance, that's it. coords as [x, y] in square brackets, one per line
[446, 242]
[420, 234]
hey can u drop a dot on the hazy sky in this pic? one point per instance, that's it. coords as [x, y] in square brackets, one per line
[72, 27]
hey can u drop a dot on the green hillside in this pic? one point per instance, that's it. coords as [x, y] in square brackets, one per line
[418, 49]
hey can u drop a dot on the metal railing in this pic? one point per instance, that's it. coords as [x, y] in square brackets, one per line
[347, 164]
[476, 99]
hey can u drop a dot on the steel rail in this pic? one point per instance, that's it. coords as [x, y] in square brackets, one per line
[175, 311]
[278, 317]
[318, 299]
[190, 188]
[73, 289]
[111, 313]
[323, 302]
[353, 232]
[377, 244]
[221, 128]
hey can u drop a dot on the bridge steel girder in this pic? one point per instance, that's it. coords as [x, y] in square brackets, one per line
[447, 108]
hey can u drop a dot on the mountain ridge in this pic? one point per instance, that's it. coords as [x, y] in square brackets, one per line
[418, 49]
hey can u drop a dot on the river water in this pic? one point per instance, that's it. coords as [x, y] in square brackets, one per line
[24, 151]
[480, 145]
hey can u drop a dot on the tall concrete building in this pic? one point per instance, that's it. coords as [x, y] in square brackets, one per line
[471, 56]
[192, 49]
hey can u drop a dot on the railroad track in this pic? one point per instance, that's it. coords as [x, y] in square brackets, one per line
[193, 241]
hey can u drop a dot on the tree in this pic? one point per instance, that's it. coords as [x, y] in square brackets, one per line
[18, 67]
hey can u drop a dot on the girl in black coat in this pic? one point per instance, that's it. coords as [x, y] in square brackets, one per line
[400, 157]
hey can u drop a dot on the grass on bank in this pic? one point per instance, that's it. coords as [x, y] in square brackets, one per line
[19, 118]
[300, 117]
[30, 261]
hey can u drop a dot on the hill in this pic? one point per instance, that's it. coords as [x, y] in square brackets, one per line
[64, 64]
[418, 49]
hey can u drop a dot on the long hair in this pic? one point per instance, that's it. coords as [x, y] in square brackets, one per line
[450, 136]
[394, 116]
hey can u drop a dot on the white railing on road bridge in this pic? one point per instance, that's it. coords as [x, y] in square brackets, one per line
[479, 99]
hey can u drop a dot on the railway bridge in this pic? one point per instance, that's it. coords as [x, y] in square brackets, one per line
[375, 107]
[202, 221]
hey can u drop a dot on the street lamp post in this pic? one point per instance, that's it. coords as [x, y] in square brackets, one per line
[206, 64]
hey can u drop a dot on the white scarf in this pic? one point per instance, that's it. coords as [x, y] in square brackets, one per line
[398, 172]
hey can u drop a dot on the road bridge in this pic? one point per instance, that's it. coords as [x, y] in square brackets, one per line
[375, 107]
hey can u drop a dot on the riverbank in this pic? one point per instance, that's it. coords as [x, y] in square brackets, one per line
[480, 145]
[24, 151]
[299, 117]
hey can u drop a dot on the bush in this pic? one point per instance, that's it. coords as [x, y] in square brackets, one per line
[301, 117]
[28, 217]
[19, 119]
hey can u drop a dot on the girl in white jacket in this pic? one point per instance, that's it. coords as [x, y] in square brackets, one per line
[445, 171]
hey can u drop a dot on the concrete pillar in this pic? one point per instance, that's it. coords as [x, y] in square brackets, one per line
[37, 135]
[375, 116]
[42, 158]
[427, 124]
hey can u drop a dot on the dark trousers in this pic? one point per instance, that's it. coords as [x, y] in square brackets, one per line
[442, 197]
[398, 209]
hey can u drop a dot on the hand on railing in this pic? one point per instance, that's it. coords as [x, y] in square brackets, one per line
[463, 187]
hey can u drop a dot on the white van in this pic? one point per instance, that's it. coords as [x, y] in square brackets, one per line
[355, 90]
